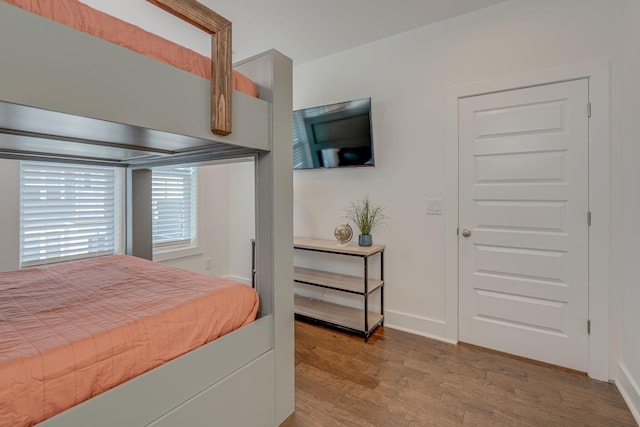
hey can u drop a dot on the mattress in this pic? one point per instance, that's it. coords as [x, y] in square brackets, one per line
[79, 16]
[73, 330]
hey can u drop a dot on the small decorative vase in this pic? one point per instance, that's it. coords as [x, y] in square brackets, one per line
[365, 240]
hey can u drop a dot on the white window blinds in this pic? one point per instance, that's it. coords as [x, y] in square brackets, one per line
[173, 204]
[67, 211]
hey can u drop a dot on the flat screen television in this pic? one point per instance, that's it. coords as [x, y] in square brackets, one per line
[334, 135]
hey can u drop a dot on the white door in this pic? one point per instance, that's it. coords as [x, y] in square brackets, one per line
[523, 239]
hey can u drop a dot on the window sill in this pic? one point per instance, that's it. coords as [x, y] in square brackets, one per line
[166, 254]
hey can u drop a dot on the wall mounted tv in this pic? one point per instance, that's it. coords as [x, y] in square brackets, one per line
[334, 135]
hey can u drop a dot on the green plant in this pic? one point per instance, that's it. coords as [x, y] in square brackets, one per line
[365, 215]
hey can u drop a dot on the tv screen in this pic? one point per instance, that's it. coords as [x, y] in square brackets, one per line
[334, 135]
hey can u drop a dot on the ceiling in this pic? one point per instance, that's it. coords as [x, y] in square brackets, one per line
[306, 30]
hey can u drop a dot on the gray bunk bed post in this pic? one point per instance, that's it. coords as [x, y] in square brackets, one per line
[274, 219]
[139, 234]
[67, 96]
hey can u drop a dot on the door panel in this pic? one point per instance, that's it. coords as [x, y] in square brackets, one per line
[545, 116]
[521, 167]
[525, 215]
[523, 273]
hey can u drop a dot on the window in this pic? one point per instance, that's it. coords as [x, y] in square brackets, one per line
[68, 212]
[173, 204]
[301, 150]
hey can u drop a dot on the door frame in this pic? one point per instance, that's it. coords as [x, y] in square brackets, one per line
[598, 75]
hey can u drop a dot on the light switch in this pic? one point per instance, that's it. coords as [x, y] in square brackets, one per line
[434, 207]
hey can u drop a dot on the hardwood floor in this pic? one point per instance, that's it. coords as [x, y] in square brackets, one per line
[399, 379]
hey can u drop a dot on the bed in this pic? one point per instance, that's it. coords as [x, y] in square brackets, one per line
[69, 326]
[66, 95]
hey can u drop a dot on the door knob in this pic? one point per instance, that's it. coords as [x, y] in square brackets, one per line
[466, 232]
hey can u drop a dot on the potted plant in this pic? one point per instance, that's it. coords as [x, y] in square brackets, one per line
[366, 215]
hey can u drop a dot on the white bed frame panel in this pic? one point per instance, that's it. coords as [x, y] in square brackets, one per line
[145, 398]
[211, 407]
[245, 377]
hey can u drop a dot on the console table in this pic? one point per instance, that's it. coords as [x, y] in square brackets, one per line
[360, 321]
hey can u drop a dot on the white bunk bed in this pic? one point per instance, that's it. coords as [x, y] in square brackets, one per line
[67, 96]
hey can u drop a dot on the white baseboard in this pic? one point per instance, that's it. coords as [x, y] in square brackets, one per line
[423, 326]
[629, 390]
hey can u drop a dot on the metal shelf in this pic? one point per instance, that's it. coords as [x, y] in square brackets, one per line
[335, 315]
[361, 321]
[336, 281]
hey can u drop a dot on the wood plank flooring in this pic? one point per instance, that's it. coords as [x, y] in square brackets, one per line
[400, 379]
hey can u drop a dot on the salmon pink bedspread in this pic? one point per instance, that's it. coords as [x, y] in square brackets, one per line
[79, 16]
[73, 330]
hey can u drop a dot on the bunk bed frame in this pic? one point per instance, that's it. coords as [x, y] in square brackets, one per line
[67, 96]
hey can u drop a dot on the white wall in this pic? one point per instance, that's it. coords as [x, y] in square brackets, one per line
[407, 77]
[226, 221]
[241, 212]
[213, 223]
[628, 377]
